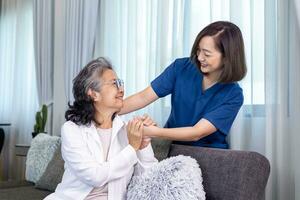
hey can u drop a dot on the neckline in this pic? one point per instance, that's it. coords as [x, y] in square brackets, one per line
[104, 129]
[212, 88]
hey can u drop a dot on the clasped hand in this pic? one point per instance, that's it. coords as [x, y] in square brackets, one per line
[135, 132]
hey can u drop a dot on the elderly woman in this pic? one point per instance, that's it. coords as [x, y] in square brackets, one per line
[100, 151]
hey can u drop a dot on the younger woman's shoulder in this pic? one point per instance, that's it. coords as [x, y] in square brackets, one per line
[184, 64]
[186, 61]
[236, 87]
[234, 91]
[232, 86]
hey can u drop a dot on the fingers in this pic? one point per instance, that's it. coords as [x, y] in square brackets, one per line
[145, 142]
[129, 127]
[146, 138]
[140, 127]
[147, 120]
[135, 133]
[135, 127]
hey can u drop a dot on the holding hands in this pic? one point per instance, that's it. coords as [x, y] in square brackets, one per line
[135, 131]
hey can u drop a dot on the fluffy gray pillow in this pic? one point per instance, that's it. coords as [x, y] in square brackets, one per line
[53, 173]
[40, 153]
[175, 178]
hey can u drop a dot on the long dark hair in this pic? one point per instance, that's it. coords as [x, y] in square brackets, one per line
[229, 41]
[82, 111]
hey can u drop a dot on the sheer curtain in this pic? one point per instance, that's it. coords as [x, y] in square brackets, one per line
[43, 23]
[18, 94]
[79, 34]
[295, 98]
[272, 128]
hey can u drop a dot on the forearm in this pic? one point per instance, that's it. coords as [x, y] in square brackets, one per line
[193, 133]
[132, 103]
[180, 134]
[138, 101]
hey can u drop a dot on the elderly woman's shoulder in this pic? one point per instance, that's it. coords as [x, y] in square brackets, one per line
[70, 125]
[69, 128]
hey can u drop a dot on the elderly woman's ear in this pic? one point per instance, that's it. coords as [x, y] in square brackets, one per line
[95, 96]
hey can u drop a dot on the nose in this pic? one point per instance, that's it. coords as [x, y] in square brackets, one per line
[200, 57]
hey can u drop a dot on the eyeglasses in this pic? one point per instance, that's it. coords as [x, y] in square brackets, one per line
[119, 83]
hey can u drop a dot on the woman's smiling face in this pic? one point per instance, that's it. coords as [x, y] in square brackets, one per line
[111, 93]
[209, 56]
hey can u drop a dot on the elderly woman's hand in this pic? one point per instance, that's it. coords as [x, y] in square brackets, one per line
[145, 142]
[135, 133]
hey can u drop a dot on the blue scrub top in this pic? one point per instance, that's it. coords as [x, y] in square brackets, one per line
[218, 104]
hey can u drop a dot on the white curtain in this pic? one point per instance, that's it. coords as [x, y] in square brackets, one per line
[18, 95]
[273, 128]
[79, 33]
[295, 91]
[43, 23]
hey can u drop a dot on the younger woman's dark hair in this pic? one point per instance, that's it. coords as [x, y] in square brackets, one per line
[229, 41]
[82, 111]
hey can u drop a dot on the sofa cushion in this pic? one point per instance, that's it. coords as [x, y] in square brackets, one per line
[229, 174]
[171, 179]
[13, 184]
[161, 148]
[40, 153]
[23, 193]
[53, 173]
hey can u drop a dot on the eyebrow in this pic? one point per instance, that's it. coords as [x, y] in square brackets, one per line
[205, 50]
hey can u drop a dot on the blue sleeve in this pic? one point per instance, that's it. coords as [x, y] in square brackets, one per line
[223, 116]
[164, 83]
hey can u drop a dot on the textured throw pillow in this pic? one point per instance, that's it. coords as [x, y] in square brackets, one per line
[176, 178]
[40, 153]
[53, 173]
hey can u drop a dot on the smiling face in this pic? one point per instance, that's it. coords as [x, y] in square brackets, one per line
[110, 97]
[209, 56]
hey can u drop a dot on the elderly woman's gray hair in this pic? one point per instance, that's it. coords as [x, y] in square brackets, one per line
[82, 111]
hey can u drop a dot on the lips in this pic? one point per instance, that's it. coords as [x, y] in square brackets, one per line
[204, 65]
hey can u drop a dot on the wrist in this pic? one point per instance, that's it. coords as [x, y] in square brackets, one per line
[135, 148]
[150, 131]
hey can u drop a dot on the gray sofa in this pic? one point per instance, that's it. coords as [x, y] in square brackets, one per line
[227, 175]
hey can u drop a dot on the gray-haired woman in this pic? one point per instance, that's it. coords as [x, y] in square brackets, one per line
[99, 150]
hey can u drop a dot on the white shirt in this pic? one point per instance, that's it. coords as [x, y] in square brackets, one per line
[100, 193]
[85, 165]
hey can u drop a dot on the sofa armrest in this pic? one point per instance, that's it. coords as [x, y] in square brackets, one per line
[14, 184]
[229, 174]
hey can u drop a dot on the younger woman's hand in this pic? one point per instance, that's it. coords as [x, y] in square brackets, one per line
[135, 133]
[150, 131]
[147, 121]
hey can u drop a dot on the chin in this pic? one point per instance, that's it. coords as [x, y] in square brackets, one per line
[204, 72]
[119, 106]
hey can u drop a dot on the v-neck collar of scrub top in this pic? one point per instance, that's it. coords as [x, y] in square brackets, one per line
[212, 89]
